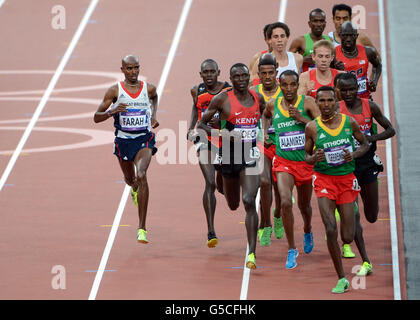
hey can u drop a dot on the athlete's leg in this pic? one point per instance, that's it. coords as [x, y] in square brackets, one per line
[285, 184]
[370, 198]
[326, 209]
[232, 191]
[304, 194]
[209, 198]
[219, 182]
[277, 201]
[265, 193]
[358, 236]
[347, 222]
[129, 170]
[249, 184]
[142, 161]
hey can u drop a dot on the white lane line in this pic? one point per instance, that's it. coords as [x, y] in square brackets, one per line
[246, 274]
[282, 11]
[2, 2]
[389, 168]
[47, 93]
[247, 271]
[161, 85]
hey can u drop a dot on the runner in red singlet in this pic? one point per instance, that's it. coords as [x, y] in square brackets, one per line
[310, 81]
[240, 110]
[206, 150]
[356, 59]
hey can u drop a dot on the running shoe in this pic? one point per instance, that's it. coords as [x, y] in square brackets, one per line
[365, 270]
[141, 236]
[342, 286]
[212, 240]
[134, 196]
[278, 227]
[259, 234]
[250, 261]
[308, 242]
[292, 254]
[266, 236]
[347, 253]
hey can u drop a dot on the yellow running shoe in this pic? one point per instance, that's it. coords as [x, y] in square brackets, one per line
[250, 261]
[134, 196]
[212, 240]
[141, 236]
[347, 253]
[365, 270]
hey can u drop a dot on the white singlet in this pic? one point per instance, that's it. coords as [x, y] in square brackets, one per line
[291, 66]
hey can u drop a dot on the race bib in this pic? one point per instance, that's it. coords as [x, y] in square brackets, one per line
[249, 134]
[357, 143]
[291, 141]
[134, 120]
[335, 156]
[361, 85]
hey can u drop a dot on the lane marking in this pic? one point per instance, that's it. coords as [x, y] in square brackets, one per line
[2, 2]
[247, 271]
[246, 274]
[282, 11]
[390, 174]
[47, 93]
[161, 85]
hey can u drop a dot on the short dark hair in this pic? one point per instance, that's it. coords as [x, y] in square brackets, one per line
[267, 59]
[276, 25]
[325, 88]
[238, 65]
[317, 10]
[265, 30]
[347, 76]
[342, 7]
[210, 61]
[289, 73]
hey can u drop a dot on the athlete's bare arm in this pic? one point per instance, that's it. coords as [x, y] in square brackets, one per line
[383, 121]
[374, 59]
[311, 107]
[267, 117]
[153, 97]
[299, 61]
[216, 104]
[252, 64]
[298, 45]
[110, 97]
[305, 87]
[364, 145]
[312, 157]
[194, 113]
[364, 40]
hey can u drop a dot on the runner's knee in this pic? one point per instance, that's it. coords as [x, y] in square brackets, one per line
[248, 201]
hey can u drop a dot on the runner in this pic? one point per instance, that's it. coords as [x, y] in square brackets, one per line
[278, 34]
[343, 13]
[311, 80]
[289, 114]
[304, 44]
[133, 105]
[254, 76]
[356, 59]
[239, 110]
[369, 165]
[206, 151]
[269, 89]
[329, 147]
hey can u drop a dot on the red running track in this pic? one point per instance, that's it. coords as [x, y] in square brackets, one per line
[57, 206]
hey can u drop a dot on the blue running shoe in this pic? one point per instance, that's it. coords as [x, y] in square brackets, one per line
[292, 254]
[308, 242]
